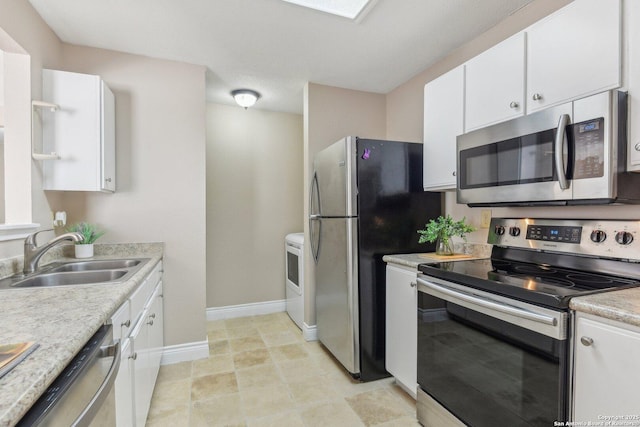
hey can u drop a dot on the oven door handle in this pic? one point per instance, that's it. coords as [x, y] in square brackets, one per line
[491, 305]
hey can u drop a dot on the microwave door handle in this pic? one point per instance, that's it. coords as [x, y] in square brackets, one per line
[559, 150]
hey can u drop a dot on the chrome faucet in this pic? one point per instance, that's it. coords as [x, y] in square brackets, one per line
[33, 253]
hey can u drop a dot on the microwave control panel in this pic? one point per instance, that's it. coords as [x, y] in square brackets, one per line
[588, 143]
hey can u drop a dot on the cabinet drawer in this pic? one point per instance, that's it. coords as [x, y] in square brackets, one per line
[121, 321]
[141, 296]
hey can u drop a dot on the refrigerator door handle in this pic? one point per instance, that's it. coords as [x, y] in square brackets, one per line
[314, 216]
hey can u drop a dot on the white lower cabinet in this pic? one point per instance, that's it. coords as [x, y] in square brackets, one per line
[401, 349]
[606, 372]
[141, 351]
[124, 387]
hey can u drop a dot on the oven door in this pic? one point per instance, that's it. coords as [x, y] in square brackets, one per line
[490, 360]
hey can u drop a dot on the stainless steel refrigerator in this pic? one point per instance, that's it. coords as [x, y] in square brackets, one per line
[366, 201]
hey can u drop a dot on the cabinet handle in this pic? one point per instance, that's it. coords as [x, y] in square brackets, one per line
[514, 104]
[536, 97]
[134, 356]
[453, 173]
[107, 179]
[150, 322]
[637, 146]
[586, 341]
[413, 284]
[152, 316]
[127, 323]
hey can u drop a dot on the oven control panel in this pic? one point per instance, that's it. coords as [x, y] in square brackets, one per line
[604, 238]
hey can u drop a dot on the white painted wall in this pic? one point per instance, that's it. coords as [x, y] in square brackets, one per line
[254, 199]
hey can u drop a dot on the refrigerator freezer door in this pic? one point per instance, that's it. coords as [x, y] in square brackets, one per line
[337, 290]
[335, 173]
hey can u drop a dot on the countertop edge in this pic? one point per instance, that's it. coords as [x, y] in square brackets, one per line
[32, 377]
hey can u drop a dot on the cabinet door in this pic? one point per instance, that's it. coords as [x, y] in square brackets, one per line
[124, 387]
[402, 327]
[632, 54]
[573, 53]
[443, 122]
[607, 372]
[108, 141]
[81, 131]
[141, 369]
[494, 84]
[156, 332]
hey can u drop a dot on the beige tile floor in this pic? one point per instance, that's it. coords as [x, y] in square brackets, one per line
[261, 372]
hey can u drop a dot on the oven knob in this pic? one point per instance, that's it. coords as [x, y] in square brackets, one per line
[598, 236]
[499, 230]
[514, 231]
[624, 237]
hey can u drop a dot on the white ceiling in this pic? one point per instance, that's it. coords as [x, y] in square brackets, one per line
[273, 46]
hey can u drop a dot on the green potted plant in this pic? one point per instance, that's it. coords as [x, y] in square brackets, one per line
[90, 234]
[441, 230]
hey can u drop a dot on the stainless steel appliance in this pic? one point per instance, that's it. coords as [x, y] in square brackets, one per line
[494, 335]
[366, 200]
[574, 153]
[83, 393]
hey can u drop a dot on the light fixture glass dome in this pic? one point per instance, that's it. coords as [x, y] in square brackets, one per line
[245, 97]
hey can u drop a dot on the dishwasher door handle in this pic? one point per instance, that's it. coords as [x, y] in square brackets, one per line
[90, 411]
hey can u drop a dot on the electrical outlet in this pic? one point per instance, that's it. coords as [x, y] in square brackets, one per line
[485, 218]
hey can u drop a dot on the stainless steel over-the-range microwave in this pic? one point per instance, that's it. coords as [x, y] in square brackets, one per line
[574, 153]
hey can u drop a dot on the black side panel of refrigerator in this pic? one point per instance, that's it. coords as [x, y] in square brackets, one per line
[392, 206]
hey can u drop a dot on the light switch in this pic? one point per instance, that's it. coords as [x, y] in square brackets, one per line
[485, 218]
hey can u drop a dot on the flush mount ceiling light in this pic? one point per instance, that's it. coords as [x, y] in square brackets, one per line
[245, 97]
[351, 9]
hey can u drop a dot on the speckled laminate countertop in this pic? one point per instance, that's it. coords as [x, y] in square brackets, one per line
[468, 251]
[61, 320]
[623, 306]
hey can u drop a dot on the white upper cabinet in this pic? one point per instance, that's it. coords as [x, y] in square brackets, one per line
[632, 80]
[443, 122]
[574, 52]
[494, 84]
[81, 132]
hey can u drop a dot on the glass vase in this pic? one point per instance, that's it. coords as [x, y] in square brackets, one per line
[444, 246]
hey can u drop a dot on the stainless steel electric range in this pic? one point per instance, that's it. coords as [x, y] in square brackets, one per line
[494, 335]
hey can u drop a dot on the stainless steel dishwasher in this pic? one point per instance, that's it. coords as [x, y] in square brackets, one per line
[83, 394]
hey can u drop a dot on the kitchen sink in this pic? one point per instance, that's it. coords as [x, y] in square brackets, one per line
[103, 264]
[104, 271]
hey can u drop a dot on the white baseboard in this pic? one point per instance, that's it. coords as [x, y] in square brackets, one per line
[185, 352]
[310, 333]
[242, 310]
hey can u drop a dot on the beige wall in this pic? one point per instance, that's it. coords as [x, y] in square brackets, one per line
[22, 30]
[331, 113]
[160, 151]
[405, 109]
[254, 198]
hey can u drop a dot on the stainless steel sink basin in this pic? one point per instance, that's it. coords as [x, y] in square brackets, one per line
[70, 278]
[104, 271]
[102, 264]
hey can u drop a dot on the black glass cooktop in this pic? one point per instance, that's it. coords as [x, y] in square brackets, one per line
[540, 284]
